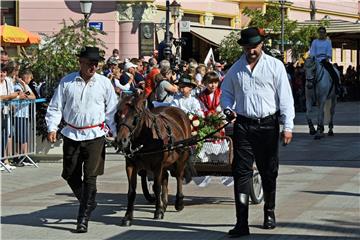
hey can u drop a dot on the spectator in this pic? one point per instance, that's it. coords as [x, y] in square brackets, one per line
[165, 90]
[6, 93]
[27, 77]
[150, 77]
[4, 57]
[22, 116]
[127, 77]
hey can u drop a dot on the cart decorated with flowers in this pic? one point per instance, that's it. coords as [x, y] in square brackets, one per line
[214, 155]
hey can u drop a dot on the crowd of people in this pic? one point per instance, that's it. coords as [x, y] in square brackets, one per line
[14, 118]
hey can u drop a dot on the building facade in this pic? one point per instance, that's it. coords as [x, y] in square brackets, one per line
[134, 27]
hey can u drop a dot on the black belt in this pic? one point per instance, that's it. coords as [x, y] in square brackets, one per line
[248, 120]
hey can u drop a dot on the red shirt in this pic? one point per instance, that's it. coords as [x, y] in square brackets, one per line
[150, 82]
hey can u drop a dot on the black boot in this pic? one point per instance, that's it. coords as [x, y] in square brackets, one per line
[242, 213]
[269, 210]
[76, 187]
[87, 205]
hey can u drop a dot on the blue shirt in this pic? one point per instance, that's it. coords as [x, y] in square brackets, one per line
[83, 104]
[261, 92]
[321, 49]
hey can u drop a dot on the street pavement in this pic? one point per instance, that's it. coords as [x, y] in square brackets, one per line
[318, 196]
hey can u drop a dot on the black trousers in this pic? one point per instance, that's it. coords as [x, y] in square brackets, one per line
[330, 68]
[255, 141]
[83, 161]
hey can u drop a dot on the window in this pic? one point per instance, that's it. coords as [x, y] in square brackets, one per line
[191, 18]
[221, 21]
[8, 12]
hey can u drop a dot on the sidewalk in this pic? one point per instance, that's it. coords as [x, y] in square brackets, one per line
[318, 197]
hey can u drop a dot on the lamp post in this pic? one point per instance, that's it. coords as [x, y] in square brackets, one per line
[282, 3]
[175, 12]
[86, 10]
[174, 8]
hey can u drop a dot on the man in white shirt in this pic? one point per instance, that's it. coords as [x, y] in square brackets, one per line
[321, 49]
[256, 91]
[87, 102]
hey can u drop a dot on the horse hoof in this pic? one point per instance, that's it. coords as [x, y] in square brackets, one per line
[126, 223]
[330, 133]
[179, 206]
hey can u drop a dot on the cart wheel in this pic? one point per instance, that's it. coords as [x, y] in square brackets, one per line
[256, 190]
[146, 185]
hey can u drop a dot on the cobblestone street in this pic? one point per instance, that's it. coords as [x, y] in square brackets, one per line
[318, 196]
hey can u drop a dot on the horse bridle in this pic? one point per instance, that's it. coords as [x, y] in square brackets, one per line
[137, 117]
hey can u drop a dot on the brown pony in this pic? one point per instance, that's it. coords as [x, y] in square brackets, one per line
[149, 131]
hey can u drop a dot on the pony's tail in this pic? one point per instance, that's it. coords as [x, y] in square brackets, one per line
[327, 113]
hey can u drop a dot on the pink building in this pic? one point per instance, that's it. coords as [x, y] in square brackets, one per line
[210, 21]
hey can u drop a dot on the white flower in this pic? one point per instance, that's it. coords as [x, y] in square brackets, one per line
[218, 108]
[196, 123]
[191, 116]
[194, 133]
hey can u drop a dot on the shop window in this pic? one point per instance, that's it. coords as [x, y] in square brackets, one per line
[8, 12]
[191, 18]
[221, 21]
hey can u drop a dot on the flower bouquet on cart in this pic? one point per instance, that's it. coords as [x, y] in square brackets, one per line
[201, 127]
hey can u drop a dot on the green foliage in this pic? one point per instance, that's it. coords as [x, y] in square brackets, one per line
[229, 49]
[56, 57]
[206, 126]
[297, 38]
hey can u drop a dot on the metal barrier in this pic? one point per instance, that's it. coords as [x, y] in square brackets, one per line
[18, 130]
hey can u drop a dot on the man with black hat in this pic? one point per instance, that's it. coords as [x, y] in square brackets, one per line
[255, 92]
[87, 102]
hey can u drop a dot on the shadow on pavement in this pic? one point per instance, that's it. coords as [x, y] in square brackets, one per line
[341, 150]
[338, 193]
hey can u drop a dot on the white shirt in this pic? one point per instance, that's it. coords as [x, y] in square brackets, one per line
[82, 105]
[188, 104]
[22, 106]
[6, 87]
[259, 93]
[321, 49]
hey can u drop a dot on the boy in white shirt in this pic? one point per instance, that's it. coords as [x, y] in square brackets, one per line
[185, 101]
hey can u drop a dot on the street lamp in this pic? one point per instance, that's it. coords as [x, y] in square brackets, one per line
[174, 7]
[86, 10]
[282, 3]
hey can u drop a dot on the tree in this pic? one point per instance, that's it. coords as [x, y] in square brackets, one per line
[229, 49]
[297, 38]
[56, 57]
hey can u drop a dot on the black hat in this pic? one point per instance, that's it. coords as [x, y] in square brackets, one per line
[250, 36]
[186, 80]
[91, 53]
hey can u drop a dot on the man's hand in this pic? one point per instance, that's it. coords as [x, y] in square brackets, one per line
[51, 137]
[230, 115]
[286, 137]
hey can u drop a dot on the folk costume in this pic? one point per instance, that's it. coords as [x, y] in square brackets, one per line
[261, 94]
[87, 107]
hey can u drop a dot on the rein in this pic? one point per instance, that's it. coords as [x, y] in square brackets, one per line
[185, 143]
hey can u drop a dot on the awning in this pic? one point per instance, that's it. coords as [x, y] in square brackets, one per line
[211, 35]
